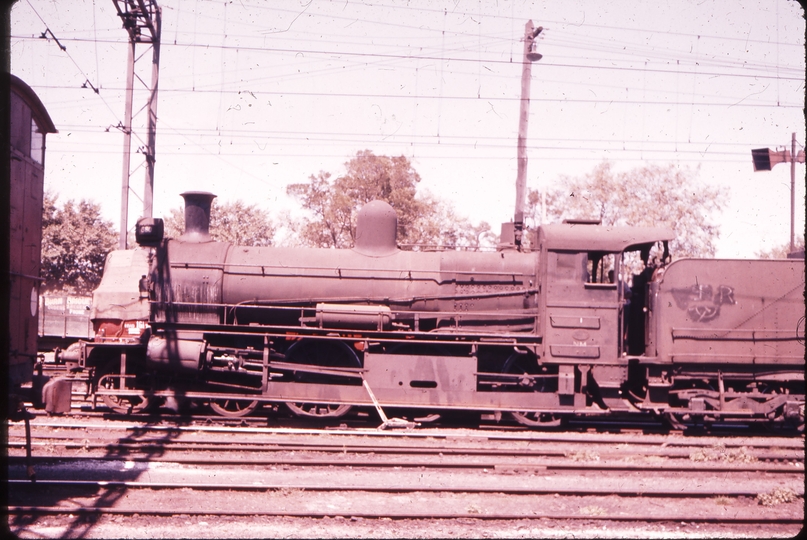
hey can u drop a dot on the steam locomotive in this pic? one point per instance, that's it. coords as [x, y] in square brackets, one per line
[536, 336]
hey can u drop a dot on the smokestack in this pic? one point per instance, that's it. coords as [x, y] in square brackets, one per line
[197, 216]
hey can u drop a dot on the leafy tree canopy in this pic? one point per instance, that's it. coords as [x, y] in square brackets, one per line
[782, 251]
[648, 196]
[234, 222]
[422, 219]
[75, 243]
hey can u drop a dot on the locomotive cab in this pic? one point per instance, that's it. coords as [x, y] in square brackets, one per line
[594, 322]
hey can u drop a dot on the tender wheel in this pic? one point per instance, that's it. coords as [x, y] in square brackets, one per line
[233, 408]
[325, 354]
[121, 404]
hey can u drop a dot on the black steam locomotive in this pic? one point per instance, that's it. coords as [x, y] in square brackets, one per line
[539, 336]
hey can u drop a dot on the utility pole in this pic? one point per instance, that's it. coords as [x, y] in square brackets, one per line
[764, 160]
[793, 193]
[530, 56]
[142, 19]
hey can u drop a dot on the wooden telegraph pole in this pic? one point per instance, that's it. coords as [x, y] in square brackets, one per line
[530, 56]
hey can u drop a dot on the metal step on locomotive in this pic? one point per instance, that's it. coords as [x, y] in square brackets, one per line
[536, 336]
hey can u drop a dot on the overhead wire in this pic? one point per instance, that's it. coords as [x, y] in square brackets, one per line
[577, 153]
[305, 94]
[262, 6]
[398, 58]
[361, 136]
[466, 34]
[358, 140]
[309, 72]
[67, 53]
[295, 51]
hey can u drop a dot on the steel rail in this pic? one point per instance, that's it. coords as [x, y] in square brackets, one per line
[644, 426]
[720, 455]
[521, 436]
[533, 466]
[537, 515]
[658, 491]
[340, 449]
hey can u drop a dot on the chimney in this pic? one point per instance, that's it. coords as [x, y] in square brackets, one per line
[197, 216]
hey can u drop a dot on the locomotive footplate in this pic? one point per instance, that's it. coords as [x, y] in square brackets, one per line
[84, 352]
[487, 401]
[422, 381]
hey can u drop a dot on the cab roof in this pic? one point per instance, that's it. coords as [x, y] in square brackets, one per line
[586, 237]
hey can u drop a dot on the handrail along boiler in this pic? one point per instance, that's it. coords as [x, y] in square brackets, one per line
[541, 335]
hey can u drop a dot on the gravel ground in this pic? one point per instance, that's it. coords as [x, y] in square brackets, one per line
[212, 527]
[347, 526]
[586, 509]
[413, 479]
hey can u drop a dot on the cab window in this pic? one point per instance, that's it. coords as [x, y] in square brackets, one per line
[601, 268]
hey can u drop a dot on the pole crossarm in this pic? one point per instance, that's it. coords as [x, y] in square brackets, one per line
[139, 15]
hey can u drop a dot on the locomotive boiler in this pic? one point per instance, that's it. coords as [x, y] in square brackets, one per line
[538, 336]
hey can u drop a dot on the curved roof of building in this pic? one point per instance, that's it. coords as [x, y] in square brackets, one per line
[29, 96]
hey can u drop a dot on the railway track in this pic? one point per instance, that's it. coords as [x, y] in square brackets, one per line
[95, 471]
[70, 432]
[267, 414]
[507, 467]
[313, 492]
[468, 448]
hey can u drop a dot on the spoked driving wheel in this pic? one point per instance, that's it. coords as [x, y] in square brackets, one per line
[327, 354]
[536, 419]
[318, 410]
[533, 378]
[233, 408]
[675, 420]
[120, 404]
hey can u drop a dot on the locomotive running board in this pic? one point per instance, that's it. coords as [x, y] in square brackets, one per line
[386, 422]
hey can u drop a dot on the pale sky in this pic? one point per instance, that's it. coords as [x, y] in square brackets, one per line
[255, 95]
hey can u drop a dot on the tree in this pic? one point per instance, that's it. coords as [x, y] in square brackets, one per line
[334, 205]
[442, 228]
[75, 243]
[233, 222]
[781, 251]
[649, 196]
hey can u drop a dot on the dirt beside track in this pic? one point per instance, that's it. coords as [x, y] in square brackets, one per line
[184, 526]
[452, 483]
